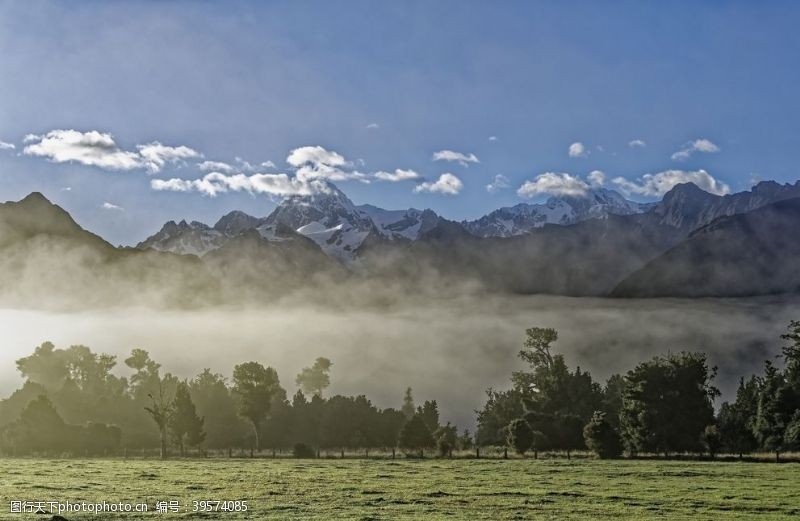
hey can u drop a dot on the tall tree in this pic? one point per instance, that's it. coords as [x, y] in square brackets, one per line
[160, 411]
[256, 386]
[313, 380]
[735, 421]
[415, 435]
[408, 408]
[217, 406]
[429, 412]
[775, 408]
[184, 423]
[667, 403]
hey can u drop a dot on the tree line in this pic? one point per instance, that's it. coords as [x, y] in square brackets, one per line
[662, 406]
[72, 403]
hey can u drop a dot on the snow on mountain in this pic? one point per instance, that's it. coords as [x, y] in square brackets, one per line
[193, 238]
[522, 218]
[329, 218]
[399, 224]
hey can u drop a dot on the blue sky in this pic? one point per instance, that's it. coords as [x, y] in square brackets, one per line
[257, 80]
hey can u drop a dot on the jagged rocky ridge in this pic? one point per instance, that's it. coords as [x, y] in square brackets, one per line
[328, 242]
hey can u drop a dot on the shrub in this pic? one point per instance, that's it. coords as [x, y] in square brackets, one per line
[520, 436]
[601, 438]
[301, 450]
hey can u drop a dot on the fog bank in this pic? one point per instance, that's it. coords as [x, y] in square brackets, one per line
[449, 350]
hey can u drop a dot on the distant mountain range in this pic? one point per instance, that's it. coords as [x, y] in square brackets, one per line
[691, 243]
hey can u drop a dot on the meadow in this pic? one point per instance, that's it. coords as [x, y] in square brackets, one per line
[372, 489]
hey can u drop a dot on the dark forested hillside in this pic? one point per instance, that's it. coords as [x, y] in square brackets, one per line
[754, 253]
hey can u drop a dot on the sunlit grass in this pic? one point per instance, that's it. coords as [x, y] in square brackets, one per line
[409, 489]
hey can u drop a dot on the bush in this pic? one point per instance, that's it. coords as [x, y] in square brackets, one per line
[301, 450]
[601, 438]
[712, 440]
[520, 436]
[444, 447]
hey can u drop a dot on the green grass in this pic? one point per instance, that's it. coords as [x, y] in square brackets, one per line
[408, 489]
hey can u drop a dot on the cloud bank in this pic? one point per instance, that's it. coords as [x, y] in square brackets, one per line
[656, 185]
[98, 149]
[554, 184]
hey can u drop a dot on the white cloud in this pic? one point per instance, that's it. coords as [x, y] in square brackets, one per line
[110, 206]
[7, 146]
[99, 149]
[493, 138]
[656, 185]
[315, 162]
[698, 145]
[554, 184]
[398, 175]
[449, 155]
[216, 183]
[155, 155]
[578, 149]
[446, 184]
[91, 148]
[373, 126]
[267, 164]
[215, 166]
[596, 178]
[314, 155]
[500, 182]
[637, 143]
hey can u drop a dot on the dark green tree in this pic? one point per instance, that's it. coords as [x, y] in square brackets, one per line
[520, 436]
[186, 427]
[667, 402]
[612, 399]
[217, 406]
[415, 435]
[256, 386]
[446, 438]
[776, 404]
[601, 437]
[735, 421]
[429, 412]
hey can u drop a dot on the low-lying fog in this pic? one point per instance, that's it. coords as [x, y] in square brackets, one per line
[451, 351]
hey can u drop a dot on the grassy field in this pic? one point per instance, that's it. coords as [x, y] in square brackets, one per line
[408, 489]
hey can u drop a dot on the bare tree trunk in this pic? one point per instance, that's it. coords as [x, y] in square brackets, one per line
[163, 443]
[257, 434]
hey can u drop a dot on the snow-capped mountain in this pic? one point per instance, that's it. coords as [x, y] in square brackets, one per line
[329, 218]
[522, 218]
[193, 238]
[399, 224]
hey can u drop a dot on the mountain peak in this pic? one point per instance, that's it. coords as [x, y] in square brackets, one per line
[522, 218]
[235, 222]
[35, 198]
